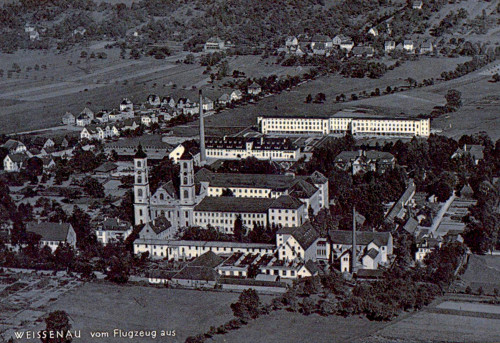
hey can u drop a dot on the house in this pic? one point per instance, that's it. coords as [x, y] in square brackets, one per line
[224, 99]
[346, 45]
[88, 112]
[323, 40]
[180, 149]
[236, 95]
[338, 39]
[79, 31]
[199, 273]
[373, 31]
[214, 44]
[102, 116]
[14, 146]
[364, 161]
[15, 162]
[83, 120]
[254, 89]
[112, 230]
[99, 133]
[207, 104]
[476, 152]
[341, 247]
[53, 234]
[301, 244]
[68, 119]
[48, 162]
[42, 143]
[149, 119]
[126, 105]
[29, 28]
[168, 101]
[291, 41]
[154, 100]
[408, 46]
[157, 229]
[363, 51]
[425, 246]
[34, 35]
[417, 5]
[426, 48]
[289, 269]
[105, 169]
[389, 46]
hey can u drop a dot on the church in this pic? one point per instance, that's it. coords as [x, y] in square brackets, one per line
[218, 199]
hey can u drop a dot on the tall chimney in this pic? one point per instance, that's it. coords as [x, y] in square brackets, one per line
[354, 254]
[203, 156]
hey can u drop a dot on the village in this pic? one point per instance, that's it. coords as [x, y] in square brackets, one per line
[246, 177]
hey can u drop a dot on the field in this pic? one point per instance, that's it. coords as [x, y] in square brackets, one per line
[482, 271]
[427, 326]
[284, 326]
[104, 307]
[292, 102]
[50, 84]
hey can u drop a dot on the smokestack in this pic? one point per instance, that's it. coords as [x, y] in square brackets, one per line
[354, 254]
[203, 156]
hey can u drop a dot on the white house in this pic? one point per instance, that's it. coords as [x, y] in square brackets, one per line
[214, 44]
[224, 99]
[126, 105]
[53, 234]
[291, 41]
[408, 46]
[68, 119]
[389, 46]
[417, 5]
[373, 31]
[15, 162]
[236, 95]
[301, 244]
[113, 229]
[14, 146]
[254, 89]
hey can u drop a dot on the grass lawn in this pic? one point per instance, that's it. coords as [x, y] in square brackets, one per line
[282, 326]
[104, 307]
[436, 327]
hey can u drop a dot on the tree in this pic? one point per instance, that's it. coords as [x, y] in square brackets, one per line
[227, 193]
[320, 98]
[238, 230]
[34, 166]
[57, 321]
[309, 98]
[118, 271]
[93, 188]
[189, 59]
[248, 305]
[453, 99]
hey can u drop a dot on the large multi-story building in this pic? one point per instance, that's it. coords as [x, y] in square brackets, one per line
[345, 122]
[263, 148]
[219, 198]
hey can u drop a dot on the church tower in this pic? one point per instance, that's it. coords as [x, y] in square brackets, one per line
[187, 190]
[141, 187]
[187, 179]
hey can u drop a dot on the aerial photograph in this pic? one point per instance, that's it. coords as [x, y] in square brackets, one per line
[236, 171]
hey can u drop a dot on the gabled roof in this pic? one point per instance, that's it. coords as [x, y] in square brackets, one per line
[12, 144]
[254, 86]
[208, 259]
[362, 237]
[170, 189]
[106, 167]
[234, 205]
[49, 231]
[302, 189]
[160, 224]
[373, 253]
[305, 235]
[18, 158]
[114, 224]
[411, 225]
[286, 202]
[196, 273]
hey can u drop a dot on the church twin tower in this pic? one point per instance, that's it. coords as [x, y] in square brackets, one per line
[180, 211]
